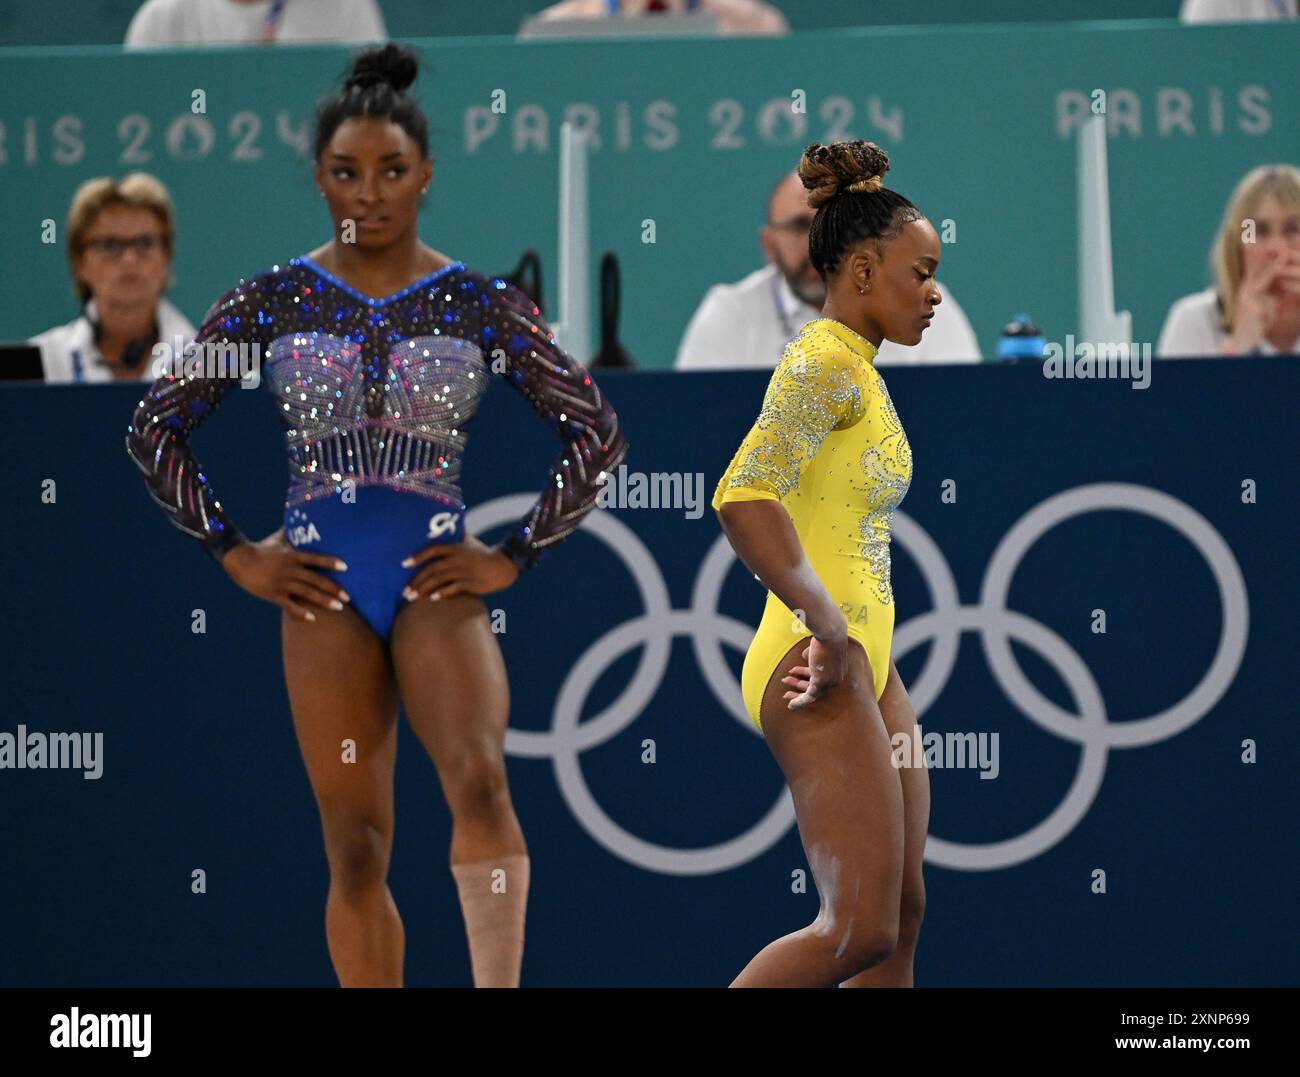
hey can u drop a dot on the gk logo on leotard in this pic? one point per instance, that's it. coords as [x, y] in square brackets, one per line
[442, 523]
[1087, 725]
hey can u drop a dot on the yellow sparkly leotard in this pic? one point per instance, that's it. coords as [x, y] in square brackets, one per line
[829, 446]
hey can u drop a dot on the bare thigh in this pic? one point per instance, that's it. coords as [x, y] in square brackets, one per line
[835, 754]
[344, 705]
[454, 687]
[900, 720]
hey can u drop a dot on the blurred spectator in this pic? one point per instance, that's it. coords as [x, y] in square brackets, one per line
[253, 22]
[120, 239]
[1236, 10]
[1254, 305]
[734, 16]
[749, 323]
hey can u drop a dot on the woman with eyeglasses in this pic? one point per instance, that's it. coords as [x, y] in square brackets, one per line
[119, 242]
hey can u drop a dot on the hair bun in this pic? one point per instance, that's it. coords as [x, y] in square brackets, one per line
[856, 167]
[395, 65]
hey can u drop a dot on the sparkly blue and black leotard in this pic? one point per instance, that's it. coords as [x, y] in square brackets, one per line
[376, 396]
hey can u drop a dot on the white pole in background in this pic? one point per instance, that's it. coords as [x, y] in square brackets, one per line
[1099, 322]
[573, 327]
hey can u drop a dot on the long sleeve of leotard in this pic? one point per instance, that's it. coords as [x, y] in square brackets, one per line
[158, 439]
[563, 393]
[812, 392]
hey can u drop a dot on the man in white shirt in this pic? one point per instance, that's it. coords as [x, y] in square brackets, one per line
[71, 353]
[242, 22]
[749, 323]
[1201, 11]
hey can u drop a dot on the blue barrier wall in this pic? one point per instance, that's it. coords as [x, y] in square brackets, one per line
[201, 768]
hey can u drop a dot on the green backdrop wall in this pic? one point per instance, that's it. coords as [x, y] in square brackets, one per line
[978, 122]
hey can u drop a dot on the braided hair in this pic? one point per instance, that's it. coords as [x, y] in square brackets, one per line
[845, 186]
[375, 86]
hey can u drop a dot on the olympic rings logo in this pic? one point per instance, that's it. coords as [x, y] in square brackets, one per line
[1088, 726]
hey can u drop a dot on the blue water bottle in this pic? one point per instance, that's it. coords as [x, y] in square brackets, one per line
[1021, 339]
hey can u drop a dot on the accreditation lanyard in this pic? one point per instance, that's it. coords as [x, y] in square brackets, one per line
[779, 303]
[271, 28]
[612, 6]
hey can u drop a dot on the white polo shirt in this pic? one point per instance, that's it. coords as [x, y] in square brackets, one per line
[69, 352]
[1192, 329]
[749, 323]
[224, 22]
[1194, 11]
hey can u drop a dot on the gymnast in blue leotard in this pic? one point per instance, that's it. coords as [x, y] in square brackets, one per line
[377, 396]
[377, 350]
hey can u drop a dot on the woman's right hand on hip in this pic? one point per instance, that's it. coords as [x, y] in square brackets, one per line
[828, 662]
[276, 572]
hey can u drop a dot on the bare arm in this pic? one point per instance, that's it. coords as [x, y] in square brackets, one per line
[761, 533]
[808, 396]
[765, 540]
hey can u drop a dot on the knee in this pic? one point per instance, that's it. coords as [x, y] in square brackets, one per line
[910, 913]
[357, 849]
[858, 942]
[873, 945]
[866, 949]
[477, 786]
[877, 937]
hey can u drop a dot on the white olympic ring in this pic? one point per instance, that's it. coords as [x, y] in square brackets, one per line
[944, 624]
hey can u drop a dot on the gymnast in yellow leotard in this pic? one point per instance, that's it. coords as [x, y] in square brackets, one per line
[829, 446]
[807, 504]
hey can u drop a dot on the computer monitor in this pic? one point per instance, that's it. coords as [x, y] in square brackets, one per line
[21, 362]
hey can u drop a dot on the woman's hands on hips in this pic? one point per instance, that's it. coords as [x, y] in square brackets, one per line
[275, 571]
[828, 662]
[453, 568]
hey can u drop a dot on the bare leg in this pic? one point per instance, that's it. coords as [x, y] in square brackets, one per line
[454, 688]
[896, 970]
[835, 755]
[341, 690]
